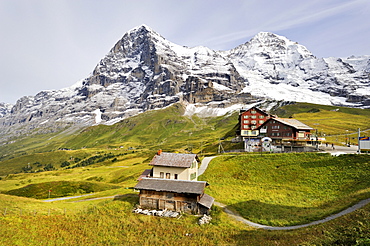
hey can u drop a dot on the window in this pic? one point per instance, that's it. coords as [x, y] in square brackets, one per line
[253, 112]
[176, 176]
[193, 176]
[261, 121]
[254, 122]
[254, 117]
[161, 175]
[246, 122]
[246, 116]
[261, 116]
[168, 175]
[275, 127]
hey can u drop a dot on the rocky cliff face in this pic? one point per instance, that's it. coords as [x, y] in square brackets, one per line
[5, 109]
[284, 67]
[145, 71]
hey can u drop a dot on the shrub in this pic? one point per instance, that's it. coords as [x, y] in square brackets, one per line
[65, 164]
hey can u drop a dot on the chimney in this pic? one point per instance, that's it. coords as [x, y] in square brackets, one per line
[159, 152]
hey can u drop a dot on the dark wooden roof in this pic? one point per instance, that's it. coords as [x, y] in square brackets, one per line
[206, 201]
[242, 111]
[172, 185]
[146, 173]
[173, 160]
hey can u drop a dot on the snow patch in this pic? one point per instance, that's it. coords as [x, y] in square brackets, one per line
[220, 87]
[44, 122]
[98, 114]
[207, 111]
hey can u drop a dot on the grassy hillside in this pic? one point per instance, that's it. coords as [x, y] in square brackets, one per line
[282, 189]
[111, 222]
[124, 172]
[273, 189]
[288, 189]
[59, 189]
[169, 130]
[165, 129]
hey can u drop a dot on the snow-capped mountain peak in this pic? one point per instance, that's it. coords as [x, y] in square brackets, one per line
[272, 46]
[144, 71]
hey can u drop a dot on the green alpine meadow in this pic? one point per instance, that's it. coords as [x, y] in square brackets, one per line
[77, 187]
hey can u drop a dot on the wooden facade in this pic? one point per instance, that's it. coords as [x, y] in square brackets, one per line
[161, 200]
[284, 129]
[175, 195]
[250, 120]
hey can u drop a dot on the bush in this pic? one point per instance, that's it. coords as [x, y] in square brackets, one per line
[49, 167]
[65, 164]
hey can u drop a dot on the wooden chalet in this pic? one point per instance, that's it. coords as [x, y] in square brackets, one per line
[250, 120]
[175, 195]
[175, 166]
[286, 131]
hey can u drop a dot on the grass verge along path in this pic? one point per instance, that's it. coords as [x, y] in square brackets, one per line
[256, 225]
[288, 189]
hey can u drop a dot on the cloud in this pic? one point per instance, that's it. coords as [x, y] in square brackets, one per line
[294, 16]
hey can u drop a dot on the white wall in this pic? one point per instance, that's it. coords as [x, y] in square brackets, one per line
[183, 173]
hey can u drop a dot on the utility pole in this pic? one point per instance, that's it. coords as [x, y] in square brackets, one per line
[201, 148]
[358, 141]
[220, 146]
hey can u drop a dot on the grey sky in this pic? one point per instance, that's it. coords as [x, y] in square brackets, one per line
[51, 44]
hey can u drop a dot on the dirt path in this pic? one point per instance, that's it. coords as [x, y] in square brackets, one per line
[204, 165]
[65, 198]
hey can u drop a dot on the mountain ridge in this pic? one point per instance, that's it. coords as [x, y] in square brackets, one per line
[144, 71]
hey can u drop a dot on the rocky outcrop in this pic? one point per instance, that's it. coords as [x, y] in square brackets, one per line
[5, 108]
